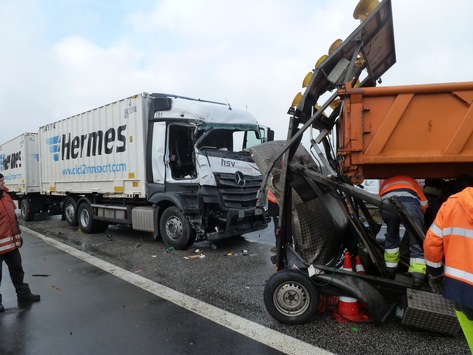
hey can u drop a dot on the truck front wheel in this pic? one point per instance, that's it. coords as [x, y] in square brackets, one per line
[175, 229]
[26, 212]
[290, 297]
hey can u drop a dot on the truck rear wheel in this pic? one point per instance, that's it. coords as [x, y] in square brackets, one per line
[175, 229]
[100, 226]
[290, 297]
[86, 221]
[85, 218]
[70, 207]
[26, 212]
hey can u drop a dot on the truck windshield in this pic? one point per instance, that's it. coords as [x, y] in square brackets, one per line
[233, 138]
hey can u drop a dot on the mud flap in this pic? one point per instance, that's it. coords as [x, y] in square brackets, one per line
[378, 308]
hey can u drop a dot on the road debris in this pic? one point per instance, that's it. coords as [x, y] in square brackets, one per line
[200, 256]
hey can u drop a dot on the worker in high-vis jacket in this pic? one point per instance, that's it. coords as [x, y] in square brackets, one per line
[410, 194]
[448, 249]
[273, 212]
[10, 242]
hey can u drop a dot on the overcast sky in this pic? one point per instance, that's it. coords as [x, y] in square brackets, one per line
[63, 57]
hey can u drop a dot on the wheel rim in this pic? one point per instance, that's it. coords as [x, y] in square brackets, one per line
[24, 209]
[84, 218]
[174, 228]
[69, 212]
[291, 298]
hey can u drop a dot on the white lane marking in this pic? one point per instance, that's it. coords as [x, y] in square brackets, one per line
[255, 331]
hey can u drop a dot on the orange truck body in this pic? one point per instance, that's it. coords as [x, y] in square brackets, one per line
[424, 131]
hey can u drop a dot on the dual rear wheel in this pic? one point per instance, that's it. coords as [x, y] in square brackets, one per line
[26, 211]
[86, 222]
[69, 210]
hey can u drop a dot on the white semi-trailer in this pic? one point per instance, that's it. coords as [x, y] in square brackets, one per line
[162, 163]
[19, 163]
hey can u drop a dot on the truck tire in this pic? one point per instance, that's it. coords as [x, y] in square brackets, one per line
[26, 212]
[86, 221]
[70, 209]
[175, 229]
[290, 297]
[85, 218]
[100, 226]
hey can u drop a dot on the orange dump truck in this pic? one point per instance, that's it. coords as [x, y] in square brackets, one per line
[422, 131]
[361, 132]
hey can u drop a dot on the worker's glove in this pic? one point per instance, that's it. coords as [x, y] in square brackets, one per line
[435, 283]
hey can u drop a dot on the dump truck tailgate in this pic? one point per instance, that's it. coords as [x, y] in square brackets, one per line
[420, 130]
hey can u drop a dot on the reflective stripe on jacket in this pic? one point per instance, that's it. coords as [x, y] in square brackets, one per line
[271, 197]
[403, 186]
[10, 238]
[448, 247]
[10, 243]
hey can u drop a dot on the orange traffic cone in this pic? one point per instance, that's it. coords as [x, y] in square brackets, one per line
[348, 307]
[359, 266]
[347, 266]
[326, 302]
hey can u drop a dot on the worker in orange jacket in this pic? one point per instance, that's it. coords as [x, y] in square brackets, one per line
[410, 194]
[273, 211]
[448, 248]
[10, 242]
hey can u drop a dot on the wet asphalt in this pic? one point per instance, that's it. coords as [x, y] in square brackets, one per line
[85, 310]
[102, 311]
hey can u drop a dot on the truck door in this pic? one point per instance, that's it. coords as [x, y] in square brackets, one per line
[181, 155]
[158, 152]
[252, 138]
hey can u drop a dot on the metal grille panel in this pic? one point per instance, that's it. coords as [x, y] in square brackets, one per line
[319, 218]
[236, 196]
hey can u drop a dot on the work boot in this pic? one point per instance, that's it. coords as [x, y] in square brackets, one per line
[391, 272]
[418, 279]
[28, 297]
